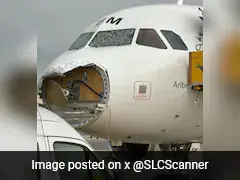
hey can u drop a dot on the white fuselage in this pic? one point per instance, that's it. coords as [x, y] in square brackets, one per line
[168, 113]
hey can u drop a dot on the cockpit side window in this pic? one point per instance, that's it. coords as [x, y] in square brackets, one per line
[120, 37]
[149, 37]
[174, 40]
[81, 41]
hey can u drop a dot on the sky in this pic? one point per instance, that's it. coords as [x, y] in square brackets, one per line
[60, 22]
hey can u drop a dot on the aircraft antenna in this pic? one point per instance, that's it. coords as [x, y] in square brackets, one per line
[180, 2]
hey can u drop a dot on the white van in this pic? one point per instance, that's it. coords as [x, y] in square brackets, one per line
[55, 134]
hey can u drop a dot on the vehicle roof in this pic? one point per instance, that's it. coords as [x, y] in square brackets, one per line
[50, 124]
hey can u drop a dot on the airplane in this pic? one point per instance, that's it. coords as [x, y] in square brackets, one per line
[125, 79]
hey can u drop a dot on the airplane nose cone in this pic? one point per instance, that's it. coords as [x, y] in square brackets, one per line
[61, 67]
[76, 90]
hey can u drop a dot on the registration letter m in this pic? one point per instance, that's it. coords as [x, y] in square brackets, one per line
[112, 20]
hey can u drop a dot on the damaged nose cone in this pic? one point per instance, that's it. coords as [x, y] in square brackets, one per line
[77, 94]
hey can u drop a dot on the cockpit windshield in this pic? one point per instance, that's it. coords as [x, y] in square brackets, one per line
[81, 41]
[113, 38]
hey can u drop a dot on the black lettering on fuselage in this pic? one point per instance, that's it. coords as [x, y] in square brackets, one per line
[100, 22]
[112, 20]
[181, 85]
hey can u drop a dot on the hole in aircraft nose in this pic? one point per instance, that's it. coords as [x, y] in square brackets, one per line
[86, 88]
